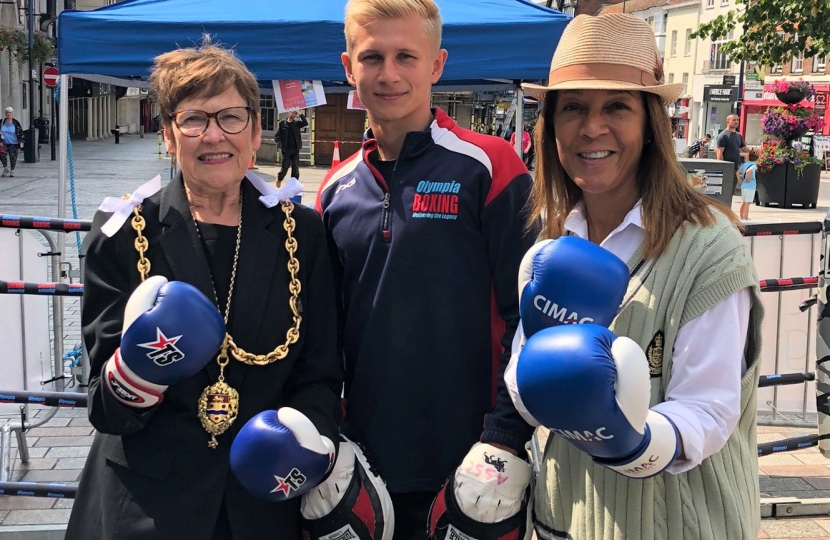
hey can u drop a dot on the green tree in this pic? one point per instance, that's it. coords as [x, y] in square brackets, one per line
[773, 30]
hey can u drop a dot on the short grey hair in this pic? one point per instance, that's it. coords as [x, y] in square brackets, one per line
[9, 109]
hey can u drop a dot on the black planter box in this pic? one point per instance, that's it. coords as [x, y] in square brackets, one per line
[784, 188]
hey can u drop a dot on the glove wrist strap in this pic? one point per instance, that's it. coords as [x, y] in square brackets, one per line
[662, 449]
[128, 388]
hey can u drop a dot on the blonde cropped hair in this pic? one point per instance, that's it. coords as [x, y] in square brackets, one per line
[361, 12]
[200, 72]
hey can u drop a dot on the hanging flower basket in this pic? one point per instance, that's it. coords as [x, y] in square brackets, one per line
[790, 122]
[791, 98]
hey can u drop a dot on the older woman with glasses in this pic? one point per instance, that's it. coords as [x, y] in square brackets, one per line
[209, 318]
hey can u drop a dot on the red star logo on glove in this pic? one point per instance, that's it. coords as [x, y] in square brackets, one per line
[282, 485]
[161, 341]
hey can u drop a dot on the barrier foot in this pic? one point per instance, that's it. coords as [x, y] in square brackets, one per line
[22, 445]
[5, 453]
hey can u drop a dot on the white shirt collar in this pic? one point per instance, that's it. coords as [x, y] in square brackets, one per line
[577, 223]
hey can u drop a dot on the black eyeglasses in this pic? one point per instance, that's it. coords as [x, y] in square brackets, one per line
[231, 120]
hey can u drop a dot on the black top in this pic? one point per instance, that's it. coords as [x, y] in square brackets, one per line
[731, 142]
[219, 243]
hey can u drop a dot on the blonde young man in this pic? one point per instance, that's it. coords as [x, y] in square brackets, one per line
[425, 229]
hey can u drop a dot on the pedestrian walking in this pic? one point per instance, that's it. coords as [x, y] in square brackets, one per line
[12, 134]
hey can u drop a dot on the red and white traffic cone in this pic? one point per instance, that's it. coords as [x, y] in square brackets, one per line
[335, 156]
[252, 163]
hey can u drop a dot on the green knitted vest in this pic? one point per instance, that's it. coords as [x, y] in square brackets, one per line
[719, 499]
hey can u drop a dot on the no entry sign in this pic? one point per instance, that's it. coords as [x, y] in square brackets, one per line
[50, 77]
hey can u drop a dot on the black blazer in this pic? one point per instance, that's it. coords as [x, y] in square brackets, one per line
[286, 130]
[150, 475]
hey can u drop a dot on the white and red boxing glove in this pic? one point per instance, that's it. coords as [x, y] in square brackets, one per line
[486, 497]
[279, 455]
[352, 502]
[593, 388]
[569, 280]
[171, 330]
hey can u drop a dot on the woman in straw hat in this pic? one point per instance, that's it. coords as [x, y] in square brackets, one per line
[607, 172]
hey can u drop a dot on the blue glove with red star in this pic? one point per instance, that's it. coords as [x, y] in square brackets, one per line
[171, 330]
[280, 455]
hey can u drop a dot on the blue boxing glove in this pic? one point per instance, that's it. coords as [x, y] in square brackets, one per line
[569, 280]
[170, 331]
[280, 455]
[593, 388]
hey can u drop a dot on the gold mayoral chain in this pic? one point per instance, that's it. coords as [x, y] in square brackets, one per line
[219, 403]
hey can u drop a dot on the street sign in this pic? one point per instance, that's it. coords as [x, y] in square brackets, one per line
[728, 80]
[51, 76]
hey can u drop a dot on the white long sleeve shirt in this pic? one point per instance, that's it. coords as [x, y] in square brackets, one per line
[703, 395]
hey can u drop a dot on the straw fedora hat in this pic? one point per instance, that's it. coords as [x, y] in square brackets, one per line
[615, 51]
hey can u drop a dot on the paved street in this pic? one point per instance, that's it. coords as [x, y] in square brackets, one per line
[59, 448]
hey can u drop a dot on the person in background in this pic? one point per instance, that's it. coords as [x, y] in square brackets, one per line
[699, 148]
[526, 143]
[12, 134]
[222, 339]
[730, 143]
[746, 179]
[426, 231]
[665, 394]
[289, 140]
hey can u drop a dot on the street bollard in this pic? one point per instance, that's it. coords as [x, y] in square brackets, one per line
[141, 131]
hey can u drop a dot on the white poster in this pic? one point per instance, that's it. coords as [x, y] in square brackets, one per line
[294, 95]
[354, 101]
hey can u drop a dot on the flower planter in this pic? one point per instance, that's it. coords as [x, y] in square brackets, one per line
[783, 187]
[791, 98]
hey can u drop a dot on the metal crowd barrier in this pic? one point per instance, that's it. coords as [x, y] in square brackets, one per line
[55, 290]
[33, 489]
[771, 246]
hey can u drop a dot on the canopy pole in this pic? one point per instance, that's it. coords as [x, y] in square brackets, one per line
[64, 152]
[520, 118]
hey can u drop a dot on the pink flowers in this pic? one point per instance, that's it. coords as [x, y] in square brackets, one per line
[782, 87]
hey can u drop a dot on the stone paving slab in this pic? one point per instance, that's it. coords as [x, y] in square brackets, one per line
[59, 448]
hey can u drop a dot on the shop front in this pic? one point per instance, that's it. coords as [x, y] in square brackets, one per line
[719, 100]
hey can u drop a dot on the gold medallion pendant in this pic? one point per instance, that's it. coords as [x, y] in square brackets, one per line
[218, 407]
